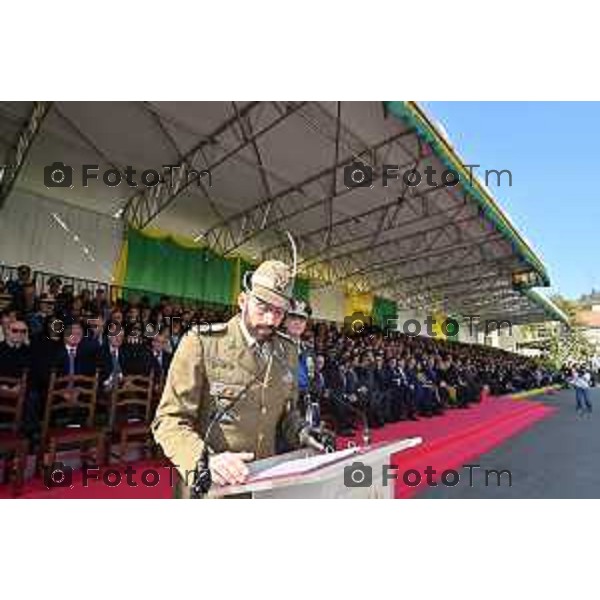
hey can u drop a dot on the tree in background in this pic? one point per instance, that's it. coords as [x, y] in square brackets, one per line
[569, 307]
[569, 346]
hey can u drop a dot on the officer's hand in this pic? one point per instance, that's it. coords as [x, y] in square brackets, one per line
[229, 468]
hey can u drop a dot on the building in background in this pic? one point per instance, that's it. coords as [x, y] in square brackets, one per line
[587, 319]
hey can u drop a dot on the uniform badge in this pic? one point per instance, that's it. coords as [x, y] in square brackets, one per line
[224, 396]
[215, 362]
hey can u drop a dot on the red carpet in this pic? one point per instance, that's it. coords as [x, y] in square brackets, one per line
[450, 441]
[457, 437]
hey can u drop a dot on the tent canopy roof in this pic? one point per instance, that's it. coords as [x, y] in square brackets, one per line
[277, 166]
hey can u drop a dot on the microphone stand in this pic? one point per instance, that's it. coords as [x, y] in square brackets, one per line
[366, 433]
[203, 479]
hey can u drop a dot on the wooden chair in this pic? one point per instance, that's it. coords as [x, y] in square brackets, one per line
[69, 418]
[12, 443]
[130, 415]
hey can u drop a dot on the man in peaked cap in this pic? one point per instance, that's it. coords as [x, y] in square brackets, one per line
[244, 367]
[295, 325]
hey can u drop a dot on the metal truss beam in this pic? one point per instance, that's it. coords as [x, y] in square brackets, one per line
[447, 283]
[401, 249]
[144, 207]
[181, 158]
[434, 280]
[270, 214]
[352, 229]
[463, 307]
[387, 276]
[498, 301]
[453, 301]
[17, 154]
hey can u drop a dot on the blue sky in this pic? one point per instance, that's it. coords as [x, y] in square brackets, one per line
[551, 148]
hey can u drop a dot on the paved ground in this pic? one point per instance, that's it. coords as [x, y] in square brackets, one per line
[559, 457]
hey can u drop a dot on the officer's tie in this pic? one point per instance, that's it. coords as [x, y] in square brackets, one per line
[71, 361]
[116, 365]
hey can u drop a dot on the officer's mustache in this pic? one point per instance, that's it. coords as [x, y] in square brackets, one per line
[259, 331]
[264, 330]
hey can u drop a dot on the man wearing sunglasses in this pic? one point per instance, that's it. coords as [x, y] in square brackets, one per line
[244, 369]
[15, 353]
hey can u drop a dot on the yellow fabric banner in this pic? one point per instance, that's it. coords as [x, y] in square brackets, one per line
[362, 303]
[439, 318]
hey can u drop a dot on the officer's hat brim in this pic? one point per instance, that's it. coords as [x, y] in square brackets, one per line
[271, 297]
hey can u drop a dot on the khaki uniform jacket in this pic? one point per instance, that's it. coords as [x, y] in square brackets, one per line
[208, 371]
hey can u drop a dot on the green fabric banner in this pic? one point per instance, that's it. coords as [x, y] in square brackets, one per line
[302, 289]
[383, 310]
[162, 266]
[453, 331]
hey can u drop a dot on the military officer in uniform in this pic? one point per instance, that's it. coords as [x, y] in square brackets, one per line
[295, 323]
[244, 367]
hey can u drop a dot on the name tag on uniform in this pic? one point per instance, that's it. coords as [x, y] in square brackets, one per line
[224, 395]
[215, 362]
[221, 389]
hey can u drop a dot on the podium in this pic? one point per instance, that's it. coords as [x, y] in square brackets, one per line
[309, 474]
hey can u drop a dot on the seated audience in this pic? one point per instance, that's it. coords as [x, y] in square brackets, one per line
[380, 378]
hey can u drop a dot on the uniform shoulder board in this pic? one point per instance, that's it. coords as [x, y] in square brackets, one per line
[210, 328]
[286, 337]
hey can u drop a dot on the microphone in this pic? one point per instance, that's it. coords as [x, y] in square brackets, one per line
[366, 434]
[308, 440]
[310, 367]
[203, 479]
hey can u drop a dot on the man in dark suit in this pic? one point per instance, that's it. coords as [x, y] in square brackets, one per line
[407, 391]
[112, 361]
[15, 360]
[370, 387]
[338, 385]
[393, 378]
[96, 331]
[15, 355]
[22, 289]
[137, 356]
[383, 383]
[120, 358]
[76, 356]
[161, 359]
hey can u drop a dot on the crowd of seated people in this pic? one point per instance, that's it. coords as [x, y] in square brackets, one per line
[393, 376]
[60, 332]
[377, 378]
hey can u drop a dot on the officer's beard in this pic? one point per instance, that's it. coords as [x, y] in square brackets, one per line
[261, 333]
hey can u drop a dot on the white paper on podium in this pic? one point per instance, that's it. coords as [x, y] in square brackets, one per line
[302, 465]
